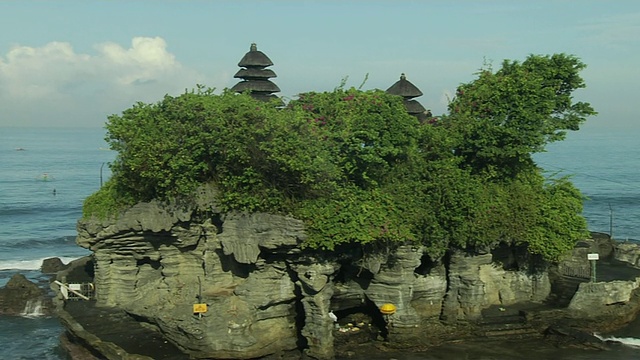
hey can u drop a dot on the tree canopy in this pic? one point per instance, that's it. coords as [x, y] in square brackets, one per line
[505, 116]
[359, 170]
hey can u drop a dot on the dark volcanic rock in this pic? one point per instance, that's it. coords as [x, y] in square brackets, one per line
[52, 265]
[22, 297]
[567, 336]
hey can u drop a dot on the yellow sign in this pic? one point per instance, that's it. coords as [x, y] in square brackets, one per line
[199, 308]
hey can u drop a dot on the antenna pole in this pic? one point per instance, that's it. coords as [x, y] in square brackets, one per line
[610, 221]
[101, 174]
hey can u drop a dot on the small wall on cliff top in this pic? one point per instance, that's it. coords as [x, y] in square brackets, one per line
[265, 294]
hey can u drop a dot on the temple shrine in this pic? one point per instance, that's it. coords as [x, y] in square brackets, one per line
[408, 91]
[255, 75]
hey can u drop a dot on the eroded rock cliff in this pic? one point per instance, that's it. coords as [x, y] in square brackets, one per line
[266, 295]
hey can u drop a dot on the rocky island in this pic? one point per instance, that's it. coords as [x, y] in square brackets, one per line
[238, 226]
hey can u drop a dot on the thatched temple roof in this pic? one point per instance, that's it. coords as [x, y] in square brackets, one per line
[408, 91]
[404, 88]
[255, 78]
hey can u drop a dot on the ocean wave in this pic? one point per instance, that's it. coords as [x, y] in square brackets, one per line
[37, 243]
[32, 264]
[19, 210]
[628, 341]
[33, 309]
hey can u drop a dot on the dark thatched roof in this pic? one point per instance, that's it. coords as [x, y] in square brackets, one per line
[255, 58]
[266, 97]
[414, 107]
[264, 86]
[254, 73]
[404, 88]
[255, 78]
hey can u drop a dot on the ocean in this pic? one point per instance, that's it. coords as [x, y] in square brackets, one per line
[45, 175]
[605, 165]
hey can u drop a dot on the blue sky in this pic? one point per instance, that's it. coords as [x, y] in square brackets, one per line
[73, 63]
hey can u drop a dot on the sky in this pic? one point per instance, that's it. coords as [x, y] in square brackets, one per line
[74, 63]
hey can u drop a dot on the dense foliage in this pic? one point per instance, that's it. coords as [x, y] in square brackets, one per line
[506, 115]
[358, 169]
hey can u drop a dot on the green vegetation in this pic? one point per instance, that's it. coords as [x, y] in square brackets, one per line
[358, 169]
[507, 115]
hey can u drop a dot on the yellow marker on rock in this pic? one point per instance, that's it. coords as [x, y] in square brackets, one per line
[388, 309]
[199, 308]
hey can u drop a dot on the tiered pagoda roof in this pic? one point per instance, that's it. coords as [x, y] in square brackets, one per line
[408, 91]
[255, 77]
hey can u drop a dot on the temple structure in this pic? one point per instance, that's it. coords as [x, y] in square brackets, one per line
[408, 91]
[255, 75]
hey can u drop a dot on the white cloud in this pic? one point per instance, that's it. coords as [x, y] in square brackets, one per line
[56, 82]
[35, 73]
[146, 59]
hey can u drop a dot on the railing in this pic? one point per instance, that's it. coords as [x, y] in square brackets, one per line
[575, 271]
[85, 291]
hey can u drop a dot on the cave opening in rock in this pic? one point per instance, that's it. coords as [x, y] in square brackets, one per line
[299, 318]
[229, 264]
[426, 265]
[365, 319]
[505, 255]
[350, 272]
[155, 264]
[216, 220]
[446, 260]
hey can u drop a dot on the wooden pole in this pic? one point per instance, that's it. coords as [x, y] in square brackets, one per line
[69, 289]
[199, 295]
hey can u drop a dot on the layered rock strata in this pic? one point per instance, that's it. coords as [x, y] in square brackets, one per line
[265, 295]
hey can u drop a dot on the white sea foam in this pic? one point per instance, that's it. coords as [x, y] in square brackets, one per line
[32, 264]
[628, 341]
[33, 308]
